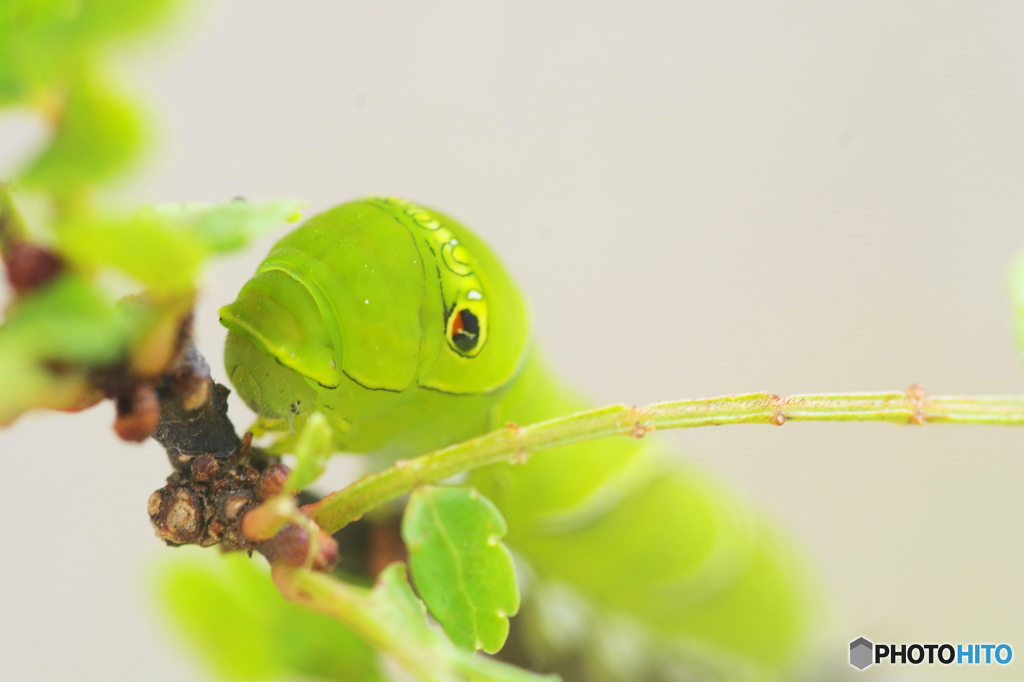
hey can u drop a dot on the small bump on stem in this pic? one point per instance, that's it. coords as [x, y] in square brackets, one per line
[917, 397]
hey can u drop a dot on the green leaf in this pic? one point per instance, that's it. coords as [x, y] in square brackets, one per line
[164, 247]
[143, 247]
[99, 133]
[226, 607]
[230, 226]
[460, 566]
[313, 448]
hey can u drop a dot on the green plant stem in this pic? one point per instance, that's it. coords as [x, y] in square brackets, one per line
[354, 607]
[514, 442]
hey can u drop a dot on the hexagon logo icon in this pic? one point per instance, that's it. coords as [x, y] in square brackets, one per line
[861, 653]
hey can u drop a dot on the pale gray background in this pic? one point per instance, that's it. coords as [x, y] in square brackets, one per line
[699, 199]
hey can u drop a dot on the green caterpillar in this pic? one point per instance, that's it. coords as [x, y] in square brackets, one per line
[402, 328]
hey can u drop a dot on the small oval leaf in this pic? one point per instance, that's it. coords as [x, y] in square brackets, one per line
[460, 566]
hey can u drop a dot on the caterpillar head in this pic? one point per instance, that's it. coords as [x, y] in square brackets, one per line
[380, 314]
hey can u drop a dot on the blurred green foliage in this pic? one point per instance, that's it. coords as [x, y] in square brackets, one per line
[247, 631]
[55, 335]
[95, 137]
[61, 329]
[64, 326]
[45, 43]
[231, 611]
[52, 59]
[165, 247]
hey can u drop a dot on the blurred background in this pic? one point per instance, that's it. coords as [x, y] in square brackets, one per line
[698, 198]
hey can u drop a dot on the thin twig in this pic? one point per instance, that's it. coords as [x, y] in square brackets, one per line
[912, 406]
[354, 606]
